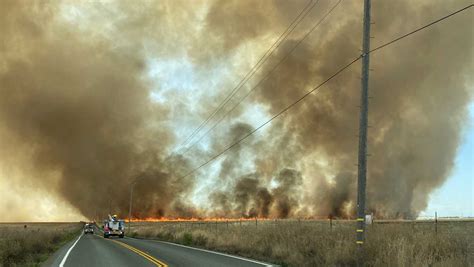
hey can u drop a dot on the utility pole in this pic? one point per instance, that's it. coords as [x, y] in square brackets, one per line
[364, 99]
[132, 185]
[130, 207]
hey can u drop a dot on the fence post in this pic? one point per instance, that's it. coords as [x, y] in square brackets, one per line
[256, 222]
[436, 222]
[330, 221]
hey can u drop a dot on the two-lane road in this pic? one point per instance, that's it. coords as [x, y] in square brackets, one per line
[93, 250]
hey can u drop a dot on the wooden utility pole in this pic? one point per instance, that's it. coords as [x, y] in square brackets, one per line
[364, 99]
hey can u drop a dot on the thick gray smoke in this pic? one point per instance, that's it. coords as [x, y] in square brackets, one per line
[419, 97]
[250, 197]
[74, 106]
[76, 119]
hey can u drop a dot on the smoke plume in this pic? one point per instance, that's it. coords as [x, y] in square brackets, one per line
[79, 124]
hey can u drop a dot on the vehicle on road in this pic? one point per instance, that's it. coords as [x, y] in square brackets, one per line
[88, 228]
[114, 227]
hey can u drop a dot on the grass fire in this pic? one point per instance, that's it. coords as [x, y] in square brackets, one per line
[236, 133]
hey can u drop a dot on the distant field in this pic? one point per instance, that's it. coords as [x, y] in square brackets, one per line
[31, 245]
[316, 243]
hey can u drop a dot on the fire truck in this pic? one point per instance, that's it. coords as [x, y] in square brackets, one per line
[114, 227]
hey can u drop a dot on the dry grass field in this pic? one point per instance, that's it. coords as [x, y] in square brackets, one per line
[317, 243]
[20, 246]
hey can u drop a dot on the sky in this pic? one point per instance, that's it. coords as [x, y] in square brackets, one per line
[456, 196]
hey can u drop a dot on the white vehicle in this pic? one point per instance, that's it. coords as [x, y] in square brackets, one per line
[114, 227]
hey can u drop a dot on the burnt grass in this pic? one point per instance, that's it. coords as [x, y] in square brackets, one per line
[317, 243]
[33, 244]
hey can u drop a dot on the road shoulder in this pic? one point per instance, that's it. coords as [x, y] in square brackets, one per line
[56, 258]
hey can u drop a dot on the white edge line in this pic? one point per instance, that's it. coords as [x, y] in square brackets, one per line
[210, 251]
[69, 251]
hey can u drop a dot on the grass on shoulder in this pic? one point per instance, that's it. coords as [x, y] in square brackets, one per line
[317, 243]
[29, 244]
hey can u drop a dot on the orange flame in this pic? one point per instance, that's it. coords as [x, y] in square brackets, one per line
[219, 219]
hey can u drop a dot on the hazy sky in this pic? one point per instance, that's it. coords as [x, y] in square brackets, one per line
[456, 196]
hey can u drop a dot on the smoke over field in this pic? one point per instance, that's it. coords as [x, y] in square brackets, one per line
[83, 111]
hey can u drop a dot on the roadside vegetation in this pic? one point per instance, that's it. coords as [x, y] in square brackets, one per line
[317, 243]
[31, 245]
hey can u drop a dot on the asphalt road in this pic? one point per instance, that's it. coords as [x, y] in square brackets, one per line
[94, 250]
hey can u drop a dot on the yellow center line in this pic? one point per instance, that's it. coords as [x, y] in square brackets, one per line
[141, 253]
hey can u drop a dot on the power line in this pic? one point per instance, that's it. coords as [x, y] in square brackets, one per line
[421, 28]
[304, 12]
[262, 60]
[275, 116]
[266, 76]
[320, 85]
